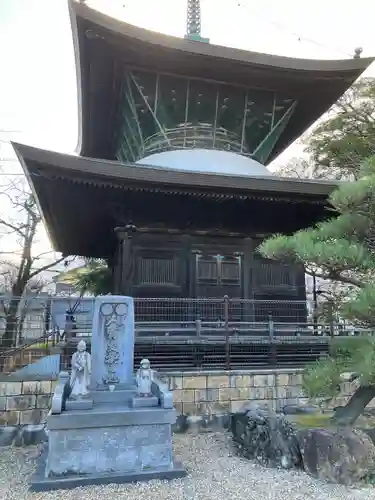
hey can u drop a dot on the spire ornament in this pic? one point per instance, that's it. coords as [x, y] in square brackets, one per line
[193, 22]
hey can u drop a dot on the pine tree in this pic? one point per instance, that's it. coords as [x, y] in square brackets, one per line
[342, 249]
[340, 144]
[94, 278]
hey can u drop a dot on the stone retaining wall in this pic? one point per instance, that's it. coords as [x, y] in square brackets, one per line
[198, 396]
[25, 402]
[204, 393]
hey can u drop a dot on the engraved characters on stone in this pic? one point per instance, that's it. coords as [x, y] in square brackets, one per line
[113, 314]
[144, 379]
[81, 371]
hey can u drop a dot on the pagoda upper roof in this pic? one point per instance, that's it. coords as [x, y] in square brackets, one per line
[80, 198]
[103, 44]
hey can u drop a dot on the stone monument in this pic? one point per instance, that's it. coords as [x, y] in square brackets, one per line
[118, 427]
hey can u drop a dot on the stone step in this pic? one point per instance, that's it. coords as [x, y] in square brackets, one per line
[122, 396]
[110, 415]
[79, 404]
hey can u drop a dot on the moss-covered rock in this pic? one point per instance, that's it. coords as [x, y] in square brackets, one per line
[344, 456]
[312, 421]
[262, 435]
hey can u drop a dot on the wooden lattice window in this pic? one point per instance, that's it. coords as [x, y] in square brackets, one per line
[231, 270]
[272, 275]
[157, 270]
[218, 269]
[207, 270]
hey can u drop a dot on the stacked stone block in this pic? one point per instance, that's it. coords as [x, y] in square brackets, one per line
[225, 392]
[196, 394]
[24, 403]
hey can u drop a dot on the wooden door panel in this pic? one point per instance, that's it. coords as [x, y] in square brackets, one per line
[218, 275]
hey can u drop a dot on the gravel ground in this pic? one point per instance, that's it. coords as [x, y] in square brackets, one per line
[214, 474]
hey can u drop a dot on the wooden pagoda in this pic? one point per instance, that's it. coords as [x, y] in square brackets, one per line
[169, 183]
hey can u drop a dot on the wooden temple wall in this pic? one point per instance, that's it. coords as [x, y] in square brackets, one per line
[183, 266]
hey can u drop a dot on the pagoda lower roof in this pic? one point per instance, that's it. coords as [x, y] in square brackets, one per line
[104, 46]
[75, 193]
[95, 171]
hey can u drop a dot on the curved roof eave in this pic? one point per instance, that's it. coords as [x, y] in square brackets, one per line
[319, 81]
[77, 57]
[67, 164]
[80, 220]
[217, 51]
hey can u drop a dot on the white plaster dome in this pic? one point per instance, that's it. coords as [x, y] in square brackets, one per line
[207, 161]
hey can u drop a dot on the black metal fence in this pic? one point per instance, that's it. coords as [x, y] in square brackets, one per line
[192, 318]
[178, 334]
[218, 310]
[28, 319]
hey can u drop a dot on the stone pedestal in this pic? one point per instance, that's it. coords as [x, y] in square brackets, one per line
[112, 435]
[109, 440]
[108, 444]
[126, 450]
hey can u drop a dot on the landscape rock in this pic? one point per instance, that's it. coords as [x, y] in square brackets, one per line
[300, 410]
[7, 435]
[33, 434]
[344, 456]
[371, 433]
[202, 423]
[26, 435]
[181, 424]
[264, 436]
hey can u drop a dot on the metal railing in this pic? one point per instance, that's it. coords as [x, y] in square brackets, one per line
[174, 332]
[242, 317]
[204, 316]
[188, 136]
[27, 331]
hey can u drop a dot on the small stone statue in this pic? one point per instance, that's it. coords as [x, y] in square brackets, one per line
[144, 379]
[81, 371]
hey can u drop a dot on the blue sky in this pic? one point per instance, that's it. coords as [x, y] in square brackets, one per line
[38, 81]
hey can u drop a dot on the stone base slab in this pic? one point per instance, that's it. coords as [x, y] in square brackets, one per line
[106, 450]
[37, 434]
[79, 404]
[106, 415]
[145, 402]
[40, 483]
[119, 395]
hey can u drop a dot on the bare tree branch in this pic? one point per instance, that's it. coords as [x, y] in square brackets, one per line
[41, 255]
[46, 267]
[21, 275]
[11, 226]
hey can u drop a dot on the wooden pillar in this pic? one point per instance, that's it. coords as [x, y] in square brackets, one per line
[248, 284]
[124, 269]
[194, 286]
[187, 264]
[117, 266]
[111, 263]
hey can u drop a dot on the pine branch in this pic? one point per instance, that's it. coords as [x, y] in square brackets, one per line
[336, 276]
[346, 279]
